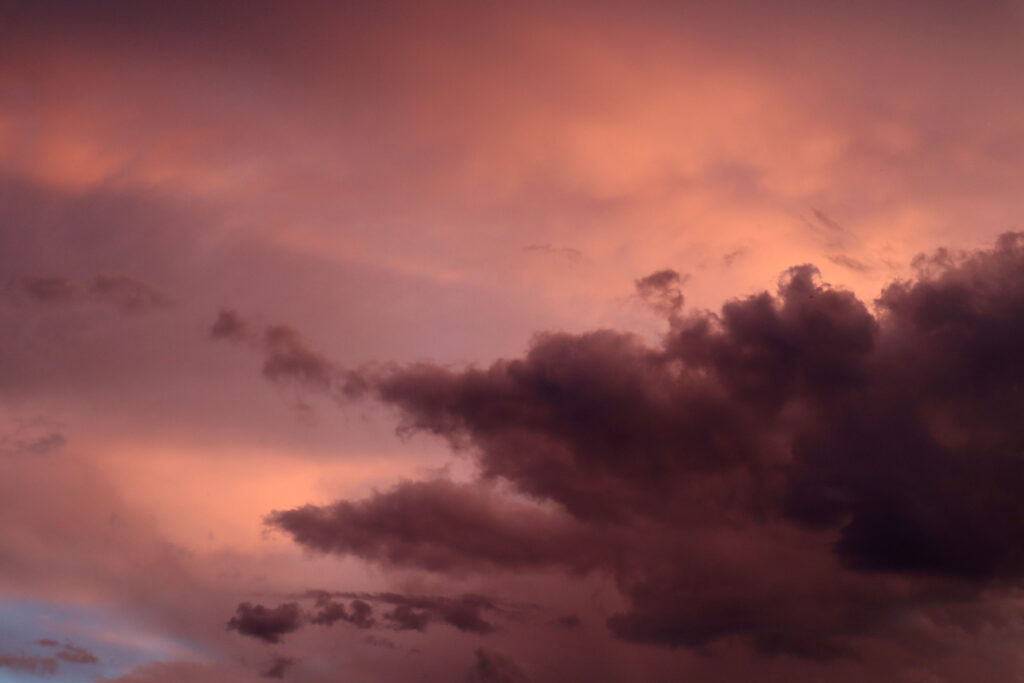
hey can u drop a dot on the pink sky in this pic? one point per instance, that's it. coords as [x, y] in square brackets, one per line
[385, 203]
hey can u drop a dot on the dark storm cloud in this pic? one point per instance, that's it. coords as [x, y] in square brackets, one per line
[266, 623]
[796, 471]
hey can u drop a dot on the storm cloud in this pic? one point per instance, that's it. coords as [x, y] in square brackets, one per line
[796, 470]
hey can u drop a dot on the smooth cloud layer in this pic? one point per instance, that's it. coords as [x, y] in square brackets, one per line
[796, 471]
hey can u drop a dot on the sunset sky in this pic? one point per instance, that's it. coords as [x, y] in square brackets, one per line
[503, 342]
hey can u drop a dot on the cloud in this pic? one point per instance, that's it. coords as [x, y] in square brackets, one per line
[76, 655]
[494, 667]
[125, 293]
[440, 525]
[359, 613]
[128, 294]
[569, 621]
[847, 261]
[229, 325]
[48, 289]
[42, 666]
[798, 471]
[34, 445]
[288, 359]
[278, 667]
[398, 612]
[70, 653]
[661, 290]
[266, 623]
[416, 612]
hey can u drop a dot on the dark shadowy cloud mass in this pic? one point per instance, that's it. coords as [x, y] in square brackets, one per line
[266, 623]
[797, 471]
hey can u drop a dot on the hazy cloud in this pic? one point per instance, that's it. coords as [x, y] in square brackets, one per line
[42, 666]
[495, 667]
[278, 667]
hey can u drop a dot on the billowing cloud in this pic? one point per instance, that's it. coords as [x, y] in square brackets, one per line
[797, 471]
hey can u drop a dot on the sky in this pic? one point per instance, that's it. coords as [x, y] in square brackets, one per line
[506, 342]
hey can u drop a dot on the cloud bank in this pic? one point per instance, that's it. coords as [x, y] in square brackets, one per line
[795, 471]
